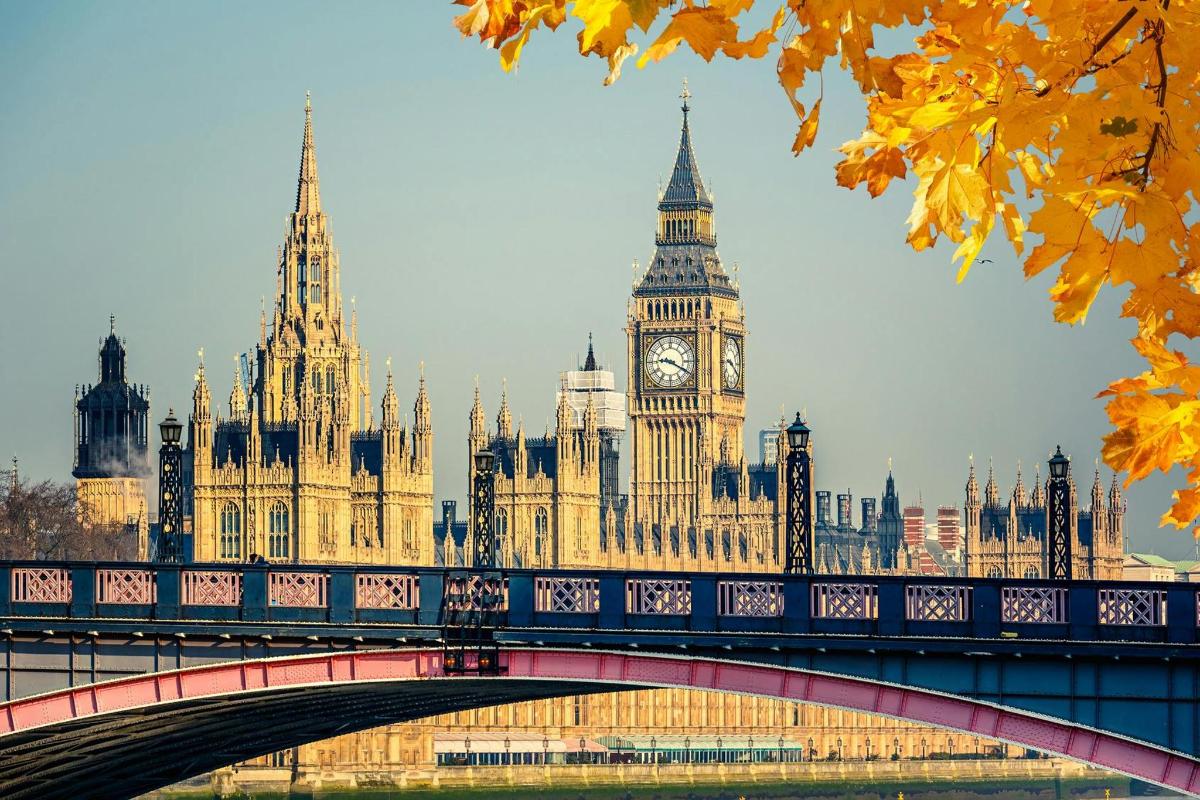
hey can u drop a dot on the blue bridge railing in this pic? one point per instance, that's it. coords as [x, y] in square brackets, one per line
[600, 600]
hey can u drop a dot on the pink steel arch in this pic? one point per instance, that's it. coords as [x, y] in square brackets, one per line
[1136, 759]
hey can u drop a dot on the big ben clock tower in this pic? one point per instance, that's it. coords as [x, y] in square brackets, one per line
[686, 339]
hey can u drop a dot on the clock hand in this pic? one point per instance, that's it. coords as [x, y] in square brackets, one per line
[666, 360]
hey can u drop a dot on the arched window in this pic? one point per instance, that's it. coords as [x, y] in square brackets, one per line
[302, 281]
[280, 533]
[502, 543]
[994, 572]
[1031, 572]
[541, 527]
[406, 536]
[314, 280]
[316, 380]
[231, 531]
[330, 380]
[359, 535]
[743, 549]
[726, 545]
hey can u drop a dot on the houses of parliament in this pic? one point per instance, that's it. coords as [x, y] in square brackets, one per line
[299, 468]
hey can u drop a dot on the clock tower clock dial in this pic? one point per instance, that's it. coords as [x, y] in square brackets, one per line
[670, 361]
[731, 363]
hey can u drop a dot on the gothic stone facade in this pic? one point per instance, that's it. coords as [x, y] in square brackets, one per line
[1009, 539]
[298, 471]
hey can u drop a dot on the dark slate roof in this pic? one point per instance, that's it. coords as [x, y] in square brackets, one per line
[366, 449]
[541, 452]
[683, 269]
[686, 189]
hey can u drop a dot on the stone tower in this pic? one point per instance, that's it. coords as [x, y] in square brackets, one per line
[299, 472]
[111, 445]
[686, 354]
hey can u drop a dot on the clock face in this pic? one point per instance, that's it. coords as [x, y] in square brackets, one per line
[670, 361]
[731, 363]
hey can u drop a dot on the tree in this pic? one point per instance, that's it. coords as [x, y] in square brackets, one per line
[1074, 121]
[44, 521]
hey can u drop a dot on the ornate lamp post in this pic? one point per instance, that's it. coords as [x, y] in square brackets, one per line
[687, 749]
[750, 748]
[467, 747]
[1059, 512]
[484, 505]
[868, 748]
[545, 750]
[799, 506]
[170, 491]
[839, 744]
[780, 743]
[812, 751]
[654, 749]
[507, 750]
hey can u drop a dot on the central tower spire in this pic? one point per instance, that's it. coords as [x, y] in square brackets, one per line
[308, 190]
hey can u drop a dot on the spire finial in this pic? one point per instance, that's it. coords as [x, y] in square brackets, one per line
[589, 365]
[685, 95]
[308, 100]
[388, 362]
[421, 368]
[112, 324]
[889, 465]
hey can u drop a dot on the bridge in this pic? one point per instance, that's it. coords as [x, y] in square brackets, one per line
[120, 678]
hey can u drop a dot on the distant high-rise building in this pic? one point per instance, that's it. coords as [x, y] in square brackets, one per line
[949, 534]
[111, 432]
[768, 445]
[914, 526]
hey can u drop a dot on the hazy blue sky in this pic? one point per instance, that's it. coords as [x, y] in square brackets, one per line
[487, 222]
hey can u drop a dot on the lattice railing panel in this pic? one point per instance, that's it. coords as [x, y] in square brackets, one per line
[567, 595]
[934, 603]
[387, 591]
[1133, 607]
[298, 589]
[1034, 605]
[41, 585]
[126, 587]
[658, 596]
[476, 593]
[212, 588]
[750, 598]
[845, 601]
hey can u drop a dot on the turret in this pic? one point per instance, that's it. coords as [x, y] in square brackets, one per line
[422, 426]
[504, 417]
[591, 434]
[1018, 495]
[991, 494]
[1038, 498]
[565, 429]
[201, 423]
[237, 396]
[477, 436]
[389, 412]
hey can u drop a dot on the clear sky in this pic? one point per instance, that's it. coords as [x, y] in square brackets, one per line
[487, 223]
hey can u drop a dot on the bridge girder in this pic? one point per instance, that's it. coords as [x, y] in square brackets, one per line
[154, 729]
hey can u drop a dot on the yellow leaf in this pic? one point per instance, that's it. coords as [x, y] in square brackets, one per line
[808, 130]
[705, 30]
